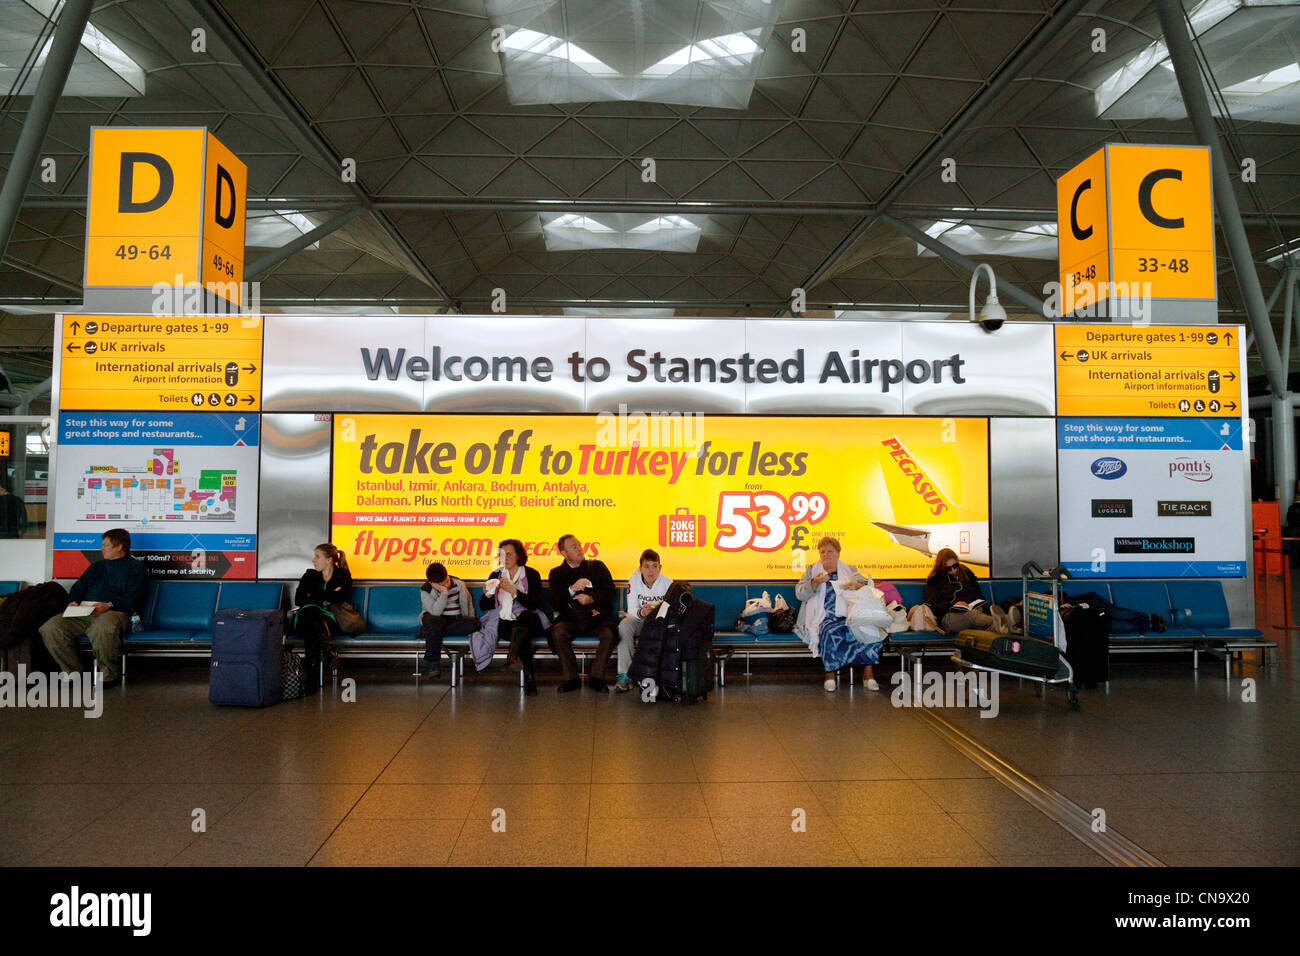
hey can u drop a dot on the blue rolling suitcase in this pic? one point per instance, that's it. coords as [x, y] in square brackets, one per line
[247, 649]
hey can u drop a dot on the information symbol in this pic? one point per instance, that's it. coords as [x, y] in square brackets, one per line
[1199, 406]
[1184, 405]
[1214, 405]
[196, 398]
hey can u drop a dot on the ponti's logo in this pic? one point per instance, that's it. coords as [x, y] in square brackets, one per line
[1192, 469]
[1109, 468]
[922, 485]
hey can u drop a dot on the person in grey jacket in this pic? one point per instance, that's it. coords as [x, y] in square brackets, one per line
[446, 611]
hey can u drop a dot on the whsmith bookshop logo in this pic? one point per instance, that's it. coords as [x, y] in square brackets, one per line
[39, 690]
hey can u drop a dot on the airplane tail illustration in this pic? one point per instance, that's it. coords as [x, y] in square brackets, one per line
[924, 514]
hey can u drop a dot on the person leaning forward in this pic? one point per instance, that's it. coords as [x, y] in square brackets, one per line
[119, 587]
[582, 595]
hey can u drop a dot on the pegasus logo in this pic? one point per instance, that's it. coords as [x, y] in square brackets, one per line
[921, 485]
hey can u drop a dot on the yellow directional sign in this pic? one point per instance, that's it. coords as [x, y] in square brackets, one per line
[1146, 372]
[148, 363]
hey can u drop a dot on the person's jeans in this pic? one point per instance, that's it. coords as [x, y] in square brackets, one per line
[978, 619]
[435, 627]
[105, 632]
[628, 629]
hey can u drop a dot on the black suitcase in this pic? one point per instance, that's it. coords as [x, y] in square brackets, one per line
[247, 658]
[1009, 652]
[1087, 644]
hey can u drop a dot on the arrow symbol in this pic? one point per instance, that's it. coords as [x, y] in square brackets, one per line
[248, 399]
[73, 348]
[75, 326]
[1230, 376]
[1227, 338]
[1231, 406]
[250, 368]
[1065, 356]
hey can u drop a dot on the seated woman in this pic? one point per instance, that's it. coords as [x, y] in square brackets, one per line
[326, 583]
[822, 624]
[954, 595]
[445, 611]
[516, 612]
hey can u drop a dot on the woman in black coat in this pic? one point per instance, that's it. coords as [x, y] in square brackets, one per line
[327, 582]
[514, 590]
[954, 595]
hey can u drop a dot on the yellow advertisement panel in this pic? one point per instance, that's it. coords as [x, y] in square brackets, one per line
[143, 214]
[720, 498]
[1162, 219]
[1082, 233]
[147, 363]
[225, 184]
[1188, 370]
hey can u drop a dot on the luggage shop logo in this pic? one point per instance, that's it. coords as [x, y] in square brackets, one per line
[1193, 469]
[1109, 468]
[1112, 507]
[74, 691]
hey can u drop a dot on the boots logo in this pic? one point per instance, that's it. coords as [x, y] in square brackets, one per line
[1109, 468]
[1193, 469]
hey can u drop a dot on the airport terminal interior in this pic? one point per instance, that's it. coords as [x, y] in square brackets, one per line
[891, 397]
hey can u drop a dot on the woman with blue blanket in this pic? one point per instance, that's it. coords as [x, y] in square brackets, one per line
[823, 624]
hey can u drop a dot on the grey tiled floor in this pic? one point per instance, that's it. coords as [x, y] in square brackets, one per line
[417, 776]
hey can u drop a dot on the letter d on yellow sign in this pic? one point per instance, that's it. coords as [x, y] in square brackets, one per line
[166, 206]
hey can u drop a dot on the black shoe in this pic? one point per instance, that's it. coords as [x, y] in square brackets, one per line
[568, 685]
[1157, 623]
[430, 670]
[598, 685]
[530, 687]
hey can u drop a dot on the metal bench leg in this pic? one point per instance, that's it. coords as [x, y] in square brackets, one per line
[748, 672]
[722, 672]
[1196, 658]
[521, 679]
[417, 664]
[852, 679]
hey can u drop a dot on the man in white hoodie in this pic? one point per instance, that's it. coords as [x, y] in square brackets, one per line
[645, 592]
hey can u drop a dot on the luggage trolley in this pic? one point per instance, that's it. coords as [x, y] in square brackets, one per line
[1041, 593]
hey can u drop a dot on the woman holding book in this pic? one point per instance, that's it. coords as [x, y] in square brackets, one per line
[954, 596]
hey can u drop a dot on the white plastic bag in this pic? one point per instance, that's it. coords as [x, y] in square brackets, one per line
[866, 615]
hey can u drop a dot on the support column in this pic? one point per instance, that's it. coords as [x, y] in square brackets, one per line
[1284, 452]
[1192, 87]
[54, 76]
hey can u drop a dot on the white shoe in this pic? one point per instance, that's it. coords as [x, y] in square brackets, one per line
[829, 685]
[870, 684]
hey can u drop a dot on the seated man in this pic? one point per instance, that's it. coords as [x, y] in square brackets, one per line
[582, 595]
[645, 592]
[118, 586]
[446, 611]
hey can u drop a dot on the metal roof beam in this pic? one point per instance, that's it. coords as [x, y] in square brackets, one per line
[54, 76]
[264, 264]
[948, 254]
[304, 132]
[927, 163]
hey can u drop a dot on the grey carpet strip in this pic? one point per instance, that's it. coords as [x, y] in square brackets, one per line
[1113, 847]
